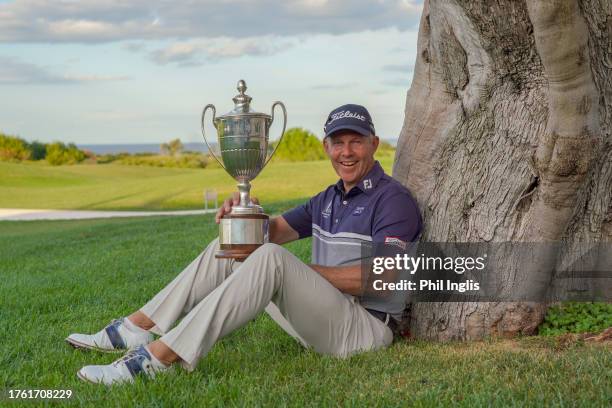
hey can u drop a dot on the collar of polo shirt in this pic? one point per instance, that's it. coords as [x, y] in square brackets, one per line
[367, 184]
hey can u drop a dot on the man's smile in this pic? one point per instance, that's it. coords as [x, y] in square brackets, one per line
[348, 163]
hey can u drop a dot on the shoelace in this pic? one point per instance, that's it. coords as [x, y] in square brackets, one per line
[131, 355]
[142, 360]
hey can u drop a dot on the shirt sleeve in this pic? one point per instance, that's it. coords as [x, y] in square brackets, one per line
[398, 217]
[300, 219]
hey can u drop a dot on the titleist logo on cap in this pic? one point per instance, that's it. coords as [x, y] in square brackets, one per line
[345, 114]
[354, 118]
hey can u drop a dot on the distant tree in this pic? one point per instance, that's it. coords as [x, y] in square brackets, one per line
[176, 147]
[164, 149]
[172, 148]
[38, 150]
[299, 145]
[13, 148]
[59, 153]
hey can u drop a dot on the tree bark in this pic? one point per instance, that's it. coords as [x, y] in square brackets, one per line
[506, 137]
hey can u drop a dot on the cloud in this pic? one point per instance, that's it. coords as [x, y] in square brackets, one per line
[135, 46]
[17, 72]
[74, 21]
[334, 87]
[96, 78]
[398, 82]
[406, 68]
[378, 92]
[181, 53]
[194, 53]
[106, 115]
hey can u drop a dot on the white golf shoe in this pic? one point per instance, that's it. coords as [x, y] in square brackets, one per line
[119, 336]
[137, 362]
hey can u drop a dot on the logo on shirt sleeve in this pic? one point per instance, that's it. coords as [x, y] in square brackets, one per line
[396, 241]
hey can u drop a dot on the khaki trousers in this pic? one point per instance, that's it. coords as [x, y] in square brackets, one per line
[216, 300]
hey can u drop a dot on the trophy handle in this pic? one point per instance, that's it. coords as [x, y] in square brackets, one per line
[284, 125]
[210, 150]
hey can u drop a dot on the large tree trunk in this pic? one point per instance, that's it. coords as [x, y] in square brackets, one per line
[507, 138]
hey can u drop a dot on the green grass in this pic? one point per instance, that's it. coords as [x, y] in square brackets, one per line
[118, 187]
[57, 277]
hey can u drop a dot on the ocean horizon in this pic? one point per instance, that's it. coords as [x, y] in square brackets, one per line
[134, 148]
[154, 148]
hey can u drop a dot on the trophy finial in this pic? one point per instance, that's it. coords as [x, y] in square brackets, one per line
[242, 87]
[242, 100]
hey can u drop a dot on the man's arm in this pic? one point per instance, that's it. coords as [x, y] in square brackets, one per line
[281, 232]
[346, 279]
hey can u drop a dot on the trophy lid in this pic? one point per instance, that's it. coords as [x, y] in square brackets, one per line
[242, 103]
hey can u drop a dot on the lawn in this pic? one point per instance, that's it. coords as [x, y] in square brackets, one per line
[120, 187]
[57, 277]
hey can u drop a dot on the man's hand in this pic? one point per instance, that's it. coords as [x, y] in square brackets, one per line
[227, 205]
[280, 231]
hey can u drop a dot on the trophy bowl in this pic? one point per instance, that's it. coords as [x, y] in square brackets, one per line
[243, 138]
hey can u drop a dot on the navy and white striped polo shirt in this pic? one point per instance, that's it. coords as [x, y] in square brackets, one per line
[378, 210]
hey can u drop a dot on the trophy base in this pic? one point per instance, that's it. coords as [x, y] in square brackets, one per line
[241, 234]
[236, 251]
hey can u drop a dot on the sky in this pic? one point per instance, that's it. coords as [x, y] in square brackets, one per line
[140, 71]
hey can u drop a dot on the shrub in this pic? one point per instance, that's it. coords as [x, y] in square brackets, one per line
[299, 145]
[192, 161]
[385, 149]
[90, 157]
[110, 157]
[58, 153]
[576, 317]
[38, 150]
[172, 148]
[13, 148]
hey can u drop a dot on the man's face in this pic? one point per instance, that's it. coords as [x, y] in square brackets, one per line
[351, 155]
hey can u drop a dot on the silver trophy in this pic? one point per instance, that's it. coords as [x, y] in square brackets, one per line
[243, 140]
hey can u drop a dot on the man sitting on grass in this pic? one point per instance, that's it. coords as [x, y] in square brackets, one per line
[321, 305]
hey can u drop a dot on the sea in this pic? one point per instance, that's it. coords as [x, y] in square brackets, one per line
[138, 148]
[154, 147]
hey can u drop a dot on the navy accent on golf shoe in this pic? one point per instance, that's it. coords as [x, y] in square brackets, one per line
[136, 359]
[113, 334]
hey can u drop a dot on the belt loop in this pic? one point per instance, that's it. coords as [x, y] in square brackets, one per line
[387, 319]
